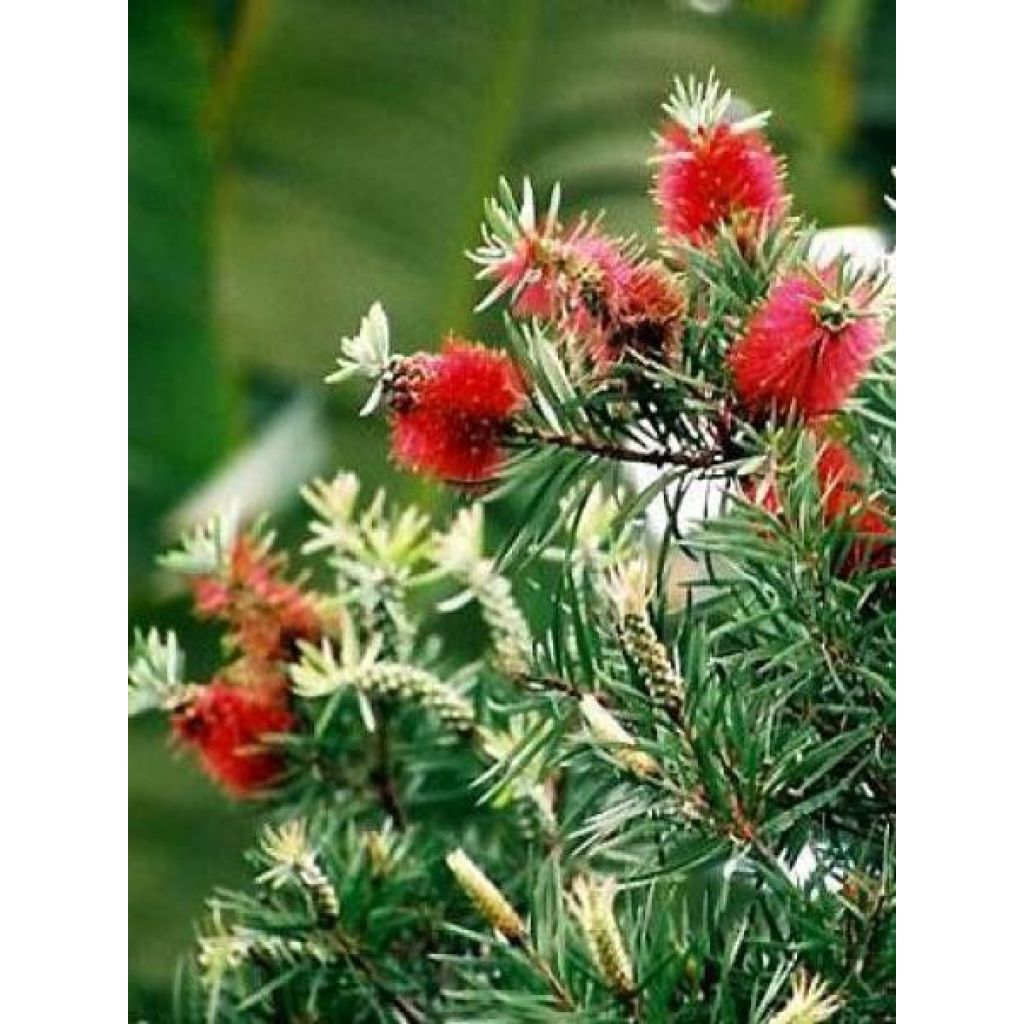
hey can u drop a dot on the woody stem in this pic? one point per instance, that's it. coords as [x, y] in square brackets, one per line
[561, 993]
[609, 450]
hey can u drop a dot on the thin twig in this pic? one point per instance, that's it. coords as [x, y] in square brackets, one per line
[345, 945]
[540, 683]
[560, 992]
[618, 453]
[383, 775]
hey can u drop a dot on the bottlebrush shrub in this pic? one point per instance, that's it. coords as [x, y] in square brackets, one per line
[664, 791]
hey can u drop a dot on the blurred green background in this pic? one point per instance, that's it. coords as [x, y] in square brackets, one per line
[293, 160]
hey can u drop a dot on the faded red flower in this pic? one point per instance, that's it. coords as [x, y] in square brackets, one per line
[227, 726]
[449, 411]
[713, 176]
[599, 293]
[561, 278]
[806, 347]
[644, 313]
[528, 272]
[593, 287]
[267, 614]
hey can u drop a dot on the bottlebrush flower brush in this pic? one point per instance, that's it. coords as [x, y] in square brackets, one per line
[808, 345]
[712, 172]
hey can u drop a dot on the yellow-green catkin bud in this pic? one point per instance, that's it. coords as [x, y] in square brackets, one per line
[486, 897]
[459, 552]
[219, 954]
[593, 905]
[628, 589]
[510, 634]
[379, 853]
[320, 889]
[321, 673]
[809, 1001]
[384, 849]
[607, 729]
[415, 685]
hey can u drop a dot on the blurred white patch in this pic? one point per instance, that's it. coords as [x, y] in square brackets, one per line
[266, 474]
[866, 245]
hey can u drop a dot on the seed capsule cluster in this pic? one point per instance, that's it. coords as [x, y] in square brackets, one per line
[652, 661]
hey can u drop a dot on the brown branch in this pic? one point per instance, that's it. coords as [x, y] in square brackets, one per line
[562, 995]
[346, 946]
[618, 453]
[382, 775]
[542, 683]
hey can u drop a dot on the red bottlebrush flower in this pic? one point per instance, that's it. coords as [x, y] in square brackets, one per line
[267, 614]
[716, 175]
[839, 480]
[806, 348]
[449, 411]
[227, 726]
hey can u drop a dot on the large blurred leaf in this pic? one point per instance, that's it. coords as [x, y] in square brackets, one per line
[180, 398]
[183, 837]
[367, 134]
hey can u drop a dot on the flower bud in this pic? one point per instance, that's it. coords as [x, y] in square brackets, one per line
[291, 855]
[593, 908]
[809, 1002]
[486, 897]
[628, 590]
[607, 729]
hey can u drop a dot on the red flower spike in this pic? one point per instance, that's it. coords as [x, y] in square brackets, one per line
[452, 409]
[713, 176]
[227, 727]
[805, 349]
